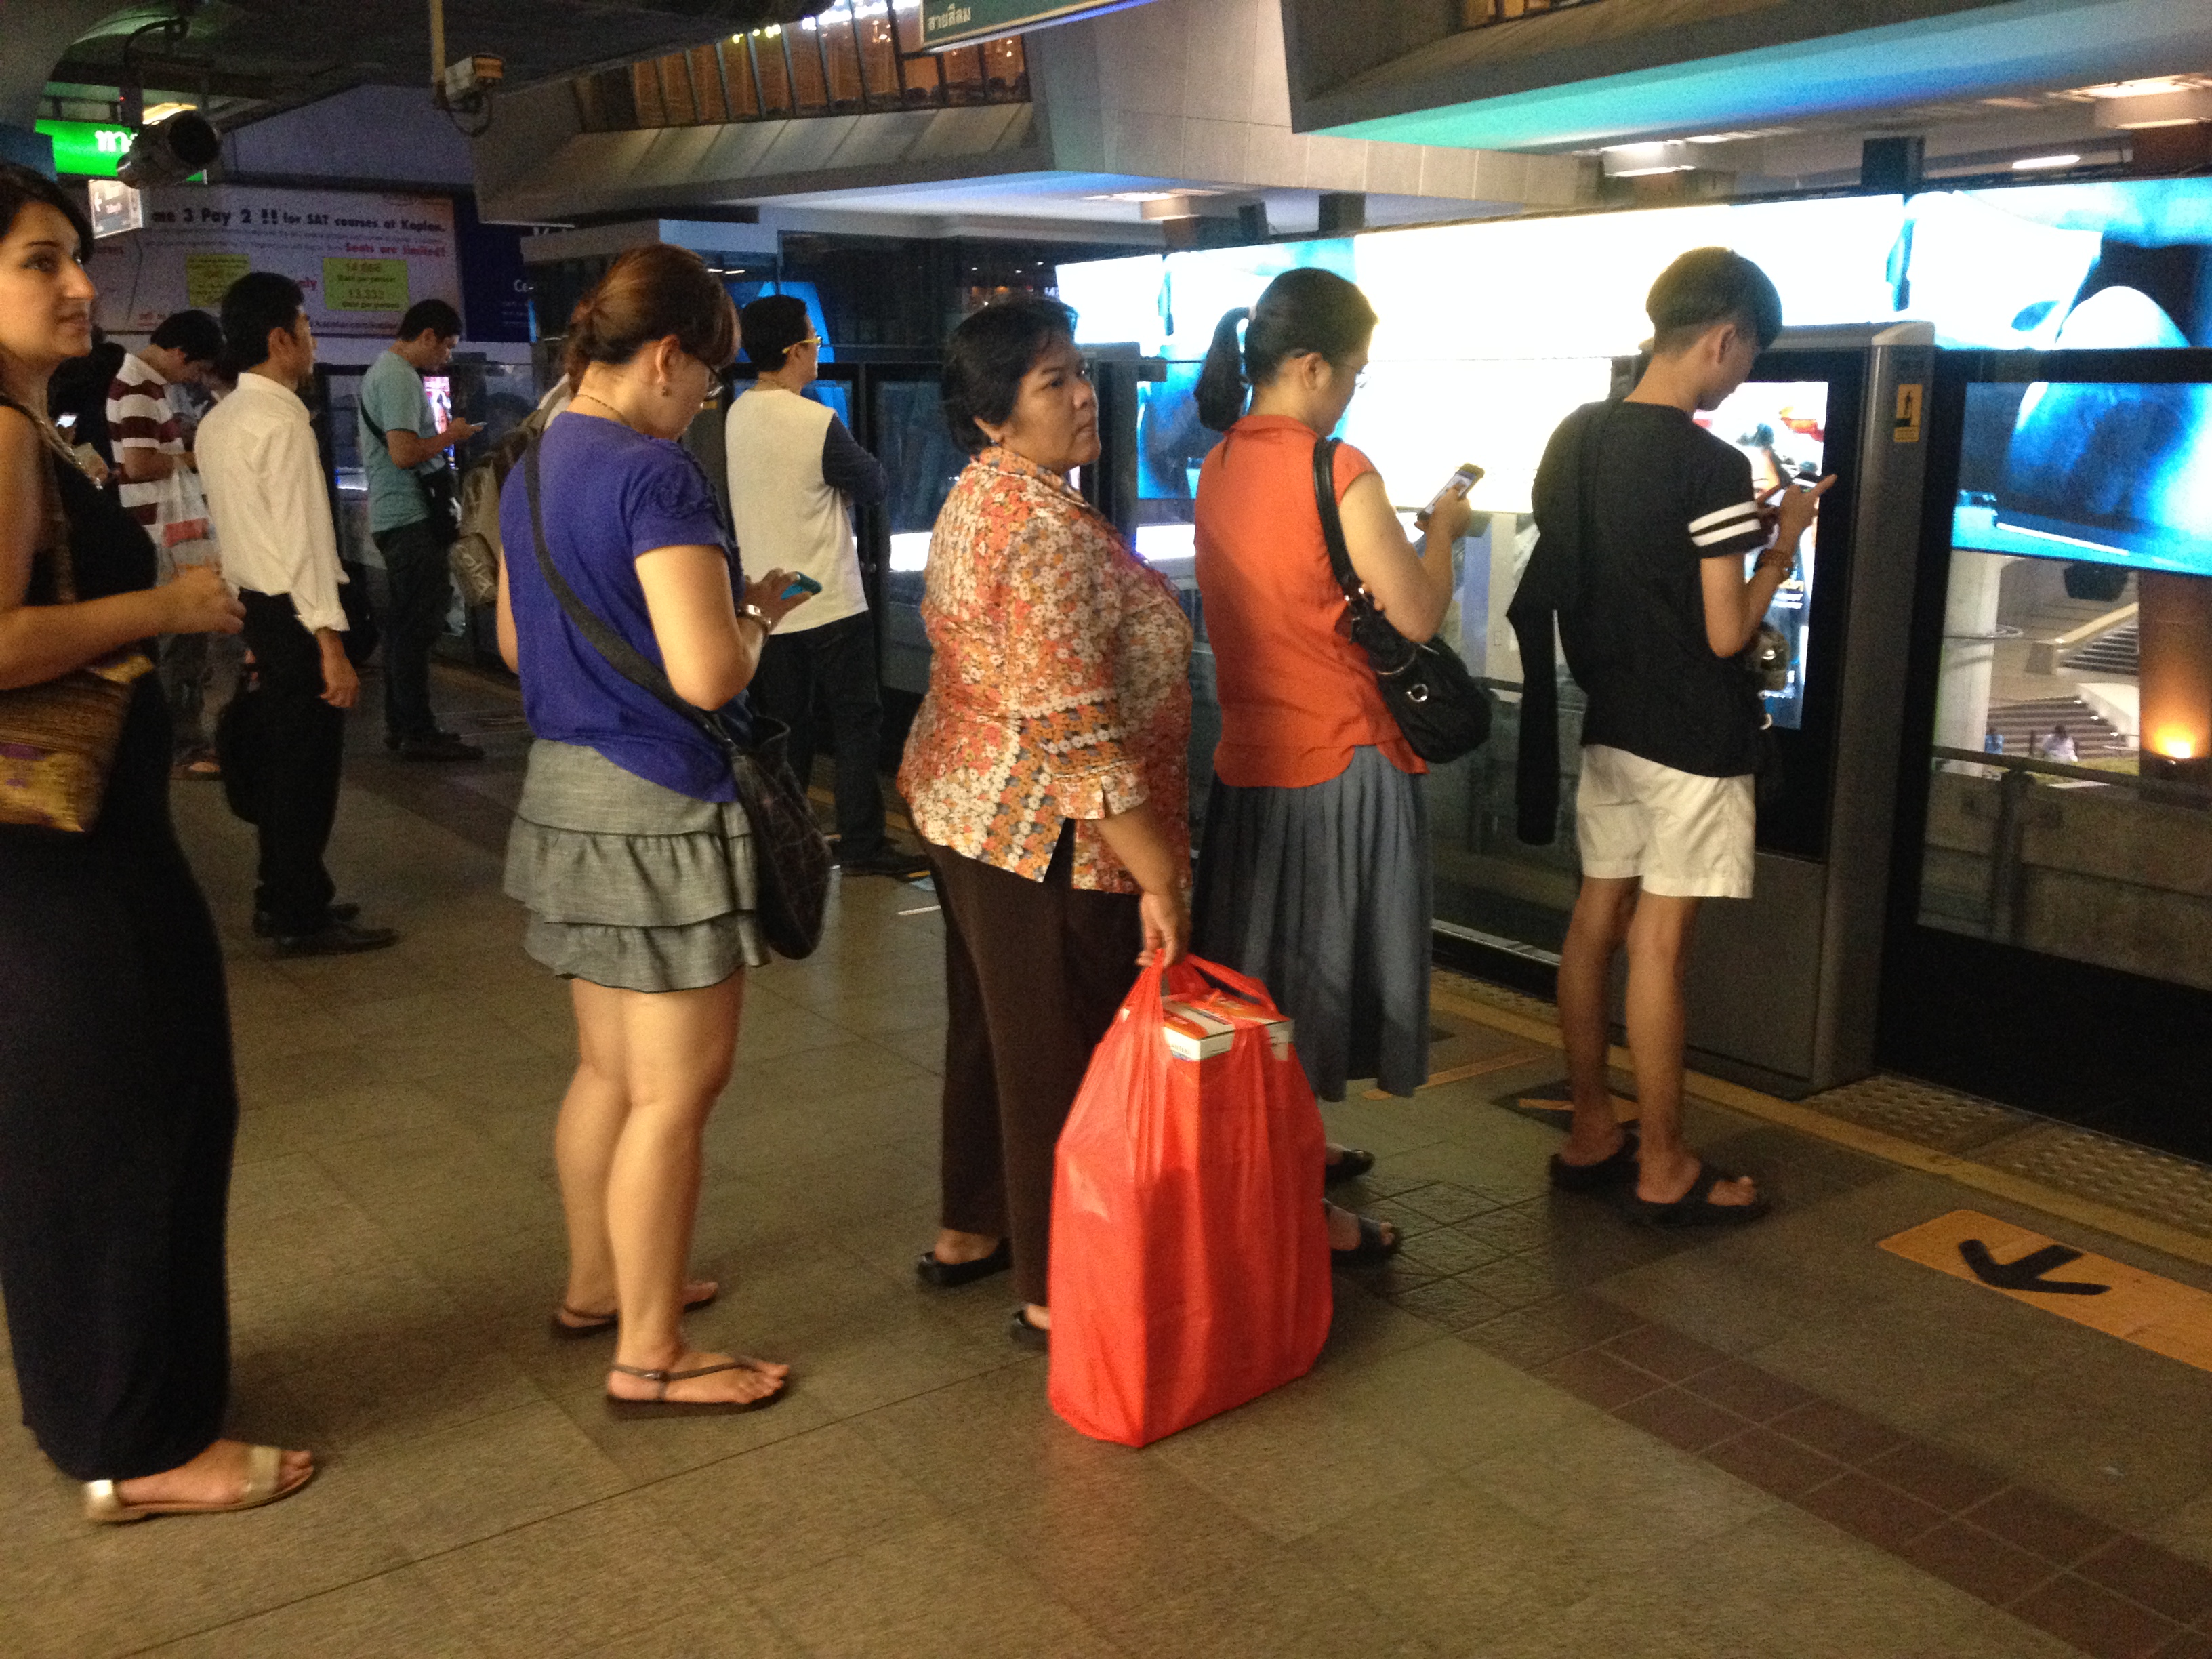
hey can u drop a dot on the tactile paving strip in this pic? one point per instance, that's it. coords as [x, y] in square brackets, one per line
[1922, 1113]
[2171, 1189]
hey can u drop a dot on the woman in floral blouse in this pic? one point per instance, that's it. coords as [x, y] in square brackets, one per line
[1047, 772]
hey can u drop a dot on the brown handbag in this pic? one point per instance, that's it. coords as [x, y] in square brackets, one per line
[58, 738]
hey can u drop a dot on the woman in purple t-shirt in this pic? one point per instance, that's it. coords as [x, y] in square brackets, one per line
[629, 848]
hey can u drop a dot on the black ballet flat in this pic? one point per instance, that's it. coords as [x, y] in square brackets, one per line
[946, 1274]
[1026, 1336]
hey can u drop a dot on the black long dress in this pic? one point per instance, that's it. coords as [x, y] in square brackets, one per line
[118, 1105]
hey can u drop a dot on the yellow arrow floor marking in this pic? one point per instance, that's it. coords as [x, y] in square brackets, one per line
[2158, 1314]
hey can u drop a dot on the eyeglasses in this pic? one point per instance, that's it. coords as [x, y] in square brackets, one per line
[812, 339]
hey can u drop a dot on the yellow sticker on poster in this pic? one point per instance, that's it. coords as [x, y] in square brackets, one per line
[364, 284]
[208, 277]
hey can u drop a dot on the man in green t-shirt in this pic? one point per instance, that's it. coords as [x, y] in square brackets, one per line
[404, 451]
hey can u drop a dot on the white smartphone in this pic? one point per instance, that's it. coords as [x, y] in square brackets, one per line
[1459, 483]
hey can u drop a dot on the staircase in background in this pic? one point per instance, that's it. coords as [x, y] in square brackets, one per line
[2020, 723]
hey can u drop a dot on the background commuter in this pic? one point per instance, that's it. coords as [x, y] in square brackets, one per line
[76, 398]
[1655, 607]
[629, 848]
[117, 1106]
[1314, 876]
[1046, 774]
[265, 487]
[795, 475]
[411, 492]
[146, 436]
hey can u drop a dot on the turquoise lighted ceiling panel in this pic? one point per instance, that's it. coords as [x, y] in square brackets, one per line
[1963, 55]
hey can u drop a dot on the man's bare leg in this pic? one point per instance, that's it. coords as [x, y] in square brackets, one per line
[1597, 929]
[1658, 956]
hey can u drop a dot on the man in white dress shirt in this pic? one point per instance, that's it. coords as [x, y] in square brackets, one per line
[264, 479]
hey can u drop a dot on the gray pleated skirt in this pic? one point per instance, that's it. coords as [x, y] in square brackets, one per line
[630, 885]
[1323, 895]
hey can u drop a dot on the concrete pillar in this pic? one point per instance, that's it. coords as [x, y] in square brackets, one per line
[2175, 655]
[1970, 621]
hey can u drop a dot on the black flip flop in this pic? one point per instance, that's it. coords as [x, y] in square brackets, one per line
[599, 1324]
[1695, 1208]
[1372, 1246]
[1614, 1171]
[946, 1274]
[1356, 1162]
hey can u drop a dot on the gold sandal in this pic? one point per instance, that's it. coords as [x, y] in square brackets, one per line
[264, 1468]
[661, 1405]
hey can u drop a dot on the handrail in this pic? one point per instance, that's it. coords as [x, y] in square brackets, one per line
[2096, 625]
[2181, 794]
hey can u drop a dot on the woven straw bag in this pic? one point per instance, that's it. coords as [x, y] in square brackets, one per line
[58, 739]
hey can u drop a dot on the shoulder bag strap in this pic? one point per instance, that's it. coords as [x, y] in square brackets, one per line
[625, 658]
[1332, 520]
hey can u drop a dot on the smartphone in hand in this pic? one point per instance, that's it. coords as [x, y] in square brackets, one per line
[1468, 476]
[800, 585]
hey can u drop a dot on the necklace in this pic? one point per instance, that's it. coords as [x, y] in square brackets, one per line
[620, 418]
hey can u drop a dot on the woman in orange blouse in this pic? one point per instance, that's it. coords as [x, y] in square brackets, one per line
[1314, 872]
[1046, 772]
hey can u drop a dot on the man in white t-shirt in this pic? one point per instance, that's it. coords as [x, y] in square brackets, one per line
[796, 472]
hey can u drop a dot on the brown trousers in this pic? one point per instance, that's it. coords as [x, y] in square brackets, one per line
[1033, 974]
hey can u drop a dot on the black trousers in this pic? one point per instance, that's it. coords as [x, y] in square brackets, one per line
[421, 584]
[1033, 974]
[302, 759]
[838, 661]
[118, 1111]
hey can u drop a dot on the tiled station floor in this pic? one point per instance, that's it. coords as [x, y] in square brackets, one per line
[1543, 1431]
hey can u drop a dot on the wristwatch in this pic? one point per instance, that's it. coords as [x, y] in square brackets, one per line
[747, 608]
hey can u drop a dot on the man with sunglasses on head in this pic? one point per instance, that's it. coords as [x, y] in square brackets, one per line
[796, 473]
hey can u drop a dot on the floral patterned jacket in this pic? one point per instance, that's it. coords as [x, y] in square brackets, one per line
[1060, 687]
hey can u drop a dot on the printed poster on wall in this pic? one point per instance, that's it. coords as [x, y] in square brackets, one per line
[362, 258]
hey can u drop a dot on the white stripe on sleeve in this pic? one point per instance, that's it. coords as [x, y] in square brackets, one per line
[1749, 532]
[1740, 510]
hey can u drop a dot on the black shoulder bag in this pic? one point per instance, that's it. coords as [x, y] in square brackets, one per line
[1439, 706]
[793, 866]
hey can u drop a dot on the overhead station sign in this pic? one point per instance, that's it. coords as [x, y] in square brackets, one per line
[87, 149]
[964, 22]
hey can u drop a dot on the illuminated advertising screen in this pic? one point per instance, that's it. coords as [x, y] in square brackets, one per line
[2098, 472]
[1781, 428]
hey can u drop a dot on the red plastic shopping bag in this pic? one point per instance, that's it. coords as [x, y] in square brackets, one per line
[1190, 1267]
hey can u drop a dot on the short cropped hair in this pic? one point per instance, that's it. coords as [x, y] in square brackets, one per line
[988, 355]
[1709, 286]
[194, 334]
[253, 305]
[771, 325]
[429, 313]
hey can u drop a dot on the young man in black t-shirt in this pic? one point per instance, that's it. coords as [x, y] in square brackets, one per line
[1661, 517]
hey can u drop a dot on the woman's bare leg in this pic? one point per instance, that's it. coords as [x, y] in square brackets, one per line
[590, 1123]
[677, 1049]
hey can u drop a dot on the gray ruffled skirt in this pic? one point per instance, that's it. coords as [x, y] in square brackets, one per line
[630, 885]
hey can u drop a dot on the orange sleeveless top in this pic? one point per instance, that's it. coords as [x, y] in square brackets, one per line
[1297, 696]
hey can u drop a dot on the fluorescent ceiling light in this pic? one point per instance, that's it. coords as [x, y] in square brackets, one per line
[163, 112]
[2181, 107]
[1648, 172]
[1148, 194]
[2155, 87]
[2040, 163]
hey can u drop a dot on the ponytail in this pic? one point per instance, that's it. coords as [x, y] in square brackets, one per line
[1304, 310]
[1221, 386]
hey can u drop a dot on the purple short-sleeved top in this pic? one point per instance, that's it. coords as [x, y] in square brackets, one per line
[611, 494]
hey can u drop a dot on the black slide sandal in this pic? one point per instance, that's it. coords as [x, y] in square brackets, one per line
[946, 1274]
[1695, 1208]
[1356, 1162]
[1612, 1170]
[1372, 1246]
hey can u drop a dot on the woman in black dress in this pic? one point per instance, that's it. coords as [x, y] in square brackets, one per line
[118, 1106]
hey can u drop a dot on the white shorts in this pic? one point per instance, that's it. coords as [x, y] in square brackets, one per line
[1685, 836]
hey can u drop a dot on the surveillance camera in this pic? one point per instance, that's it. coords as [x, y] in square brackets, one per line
[169, 152]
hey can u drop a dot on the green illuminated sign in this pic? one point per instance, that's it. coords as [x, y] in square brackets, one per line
[87, 149]
[962, 23]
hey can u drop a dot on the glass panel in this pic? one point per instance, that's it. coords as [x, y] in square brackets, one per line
[804, 57]
[963, 76]
[1005, 71]
[766, 48]
[645, 87]
[706, 67]
[835, 36]
[737, 76]
[676, 91]
[878, 51]
[2068, 809]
